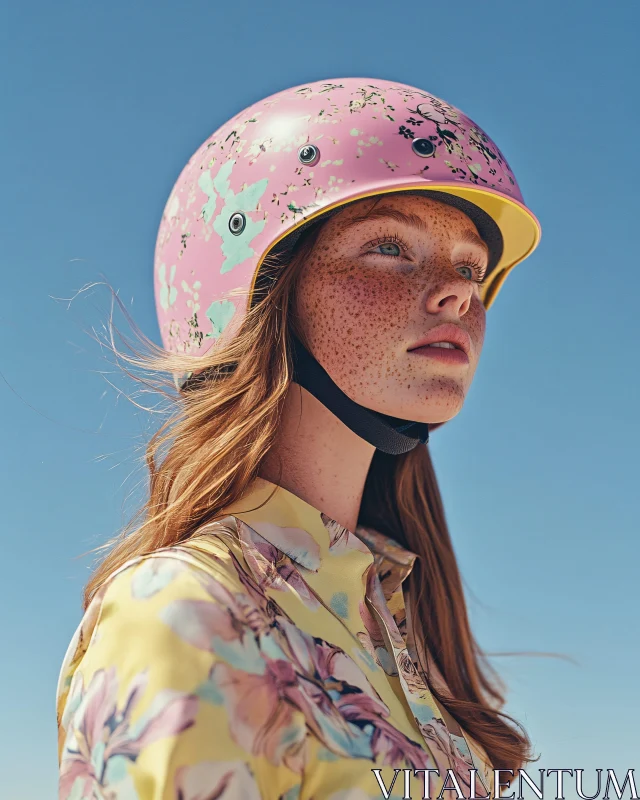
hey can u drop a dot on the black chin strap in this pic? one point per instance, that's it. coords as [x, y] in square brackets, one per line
[389, 434]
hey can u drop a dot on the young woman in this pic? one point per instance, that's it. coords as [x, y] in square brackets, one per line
[287, 620]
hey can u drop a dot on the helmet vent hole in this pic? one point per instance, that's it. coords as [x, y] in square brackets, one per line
[308, 155]
[423, 147]
[237, 223]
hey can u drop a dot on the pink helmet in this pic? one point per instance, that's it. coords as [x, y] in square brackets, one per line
[265, 175]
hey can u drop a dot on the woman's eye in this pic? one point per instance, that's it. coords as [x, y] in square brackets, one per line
[387, 249]
[469, 276]
[470, 272]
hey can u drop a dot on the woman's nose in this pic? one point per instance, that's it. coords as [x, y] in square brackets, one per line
[451, 294]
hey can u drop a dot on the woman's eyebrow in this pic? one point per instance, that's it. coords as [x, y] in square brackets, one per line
[413, 221]
[469, 237]
[383, 212]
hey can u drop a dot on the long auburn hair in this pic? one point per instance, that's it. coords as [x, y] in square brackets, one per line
[210, 448]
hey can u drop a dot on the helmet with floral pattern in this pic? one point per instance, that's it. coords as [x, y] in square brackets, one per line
[278, 166]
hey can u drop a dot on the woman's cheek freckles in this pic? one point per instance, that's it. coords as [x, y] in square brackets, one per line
[369, 295]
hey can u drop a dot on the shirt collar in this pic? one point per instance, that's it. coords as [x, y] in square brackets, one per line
[393, 562]
[282, 518]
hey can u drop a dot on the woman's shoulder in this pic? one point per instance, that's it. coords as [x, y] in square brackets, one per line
[212, 553]
[137, 608]
[144, 685]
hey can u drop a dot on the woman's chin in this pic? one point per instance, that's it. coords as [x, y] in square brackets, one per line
[433, 416]
[430, 411]
[437, 402]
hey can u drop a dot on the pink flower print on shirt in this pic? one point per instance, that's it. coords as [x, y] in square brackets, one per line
[373, 642]
[341, 538]
[440, 739]
[272, 569]
[296, 543]
[412, 677]
[101, 739]
[278, 683]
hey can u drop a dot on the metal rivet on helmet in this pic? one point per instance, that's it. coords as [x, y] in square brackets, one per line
[237, 223]
[423, 147]
[309, 155]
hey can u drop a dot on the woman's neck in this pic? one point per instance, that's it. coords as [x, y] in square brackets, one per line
[322, 461]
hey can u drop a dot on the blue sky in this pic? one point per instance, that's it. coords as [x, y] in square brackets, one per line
[103, 104]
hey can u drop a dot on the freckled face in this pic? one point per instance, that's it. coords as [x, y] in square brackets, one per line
[373, 288]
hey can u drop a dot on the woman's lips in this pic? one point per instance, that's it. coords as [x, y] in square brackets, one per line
[443, 354]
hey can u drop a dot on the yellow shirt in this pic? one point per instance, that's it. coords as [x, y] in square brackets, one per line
[266, 657]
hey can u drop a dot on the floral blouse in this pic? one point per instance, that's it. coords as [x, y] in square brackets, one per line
[267, 657]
